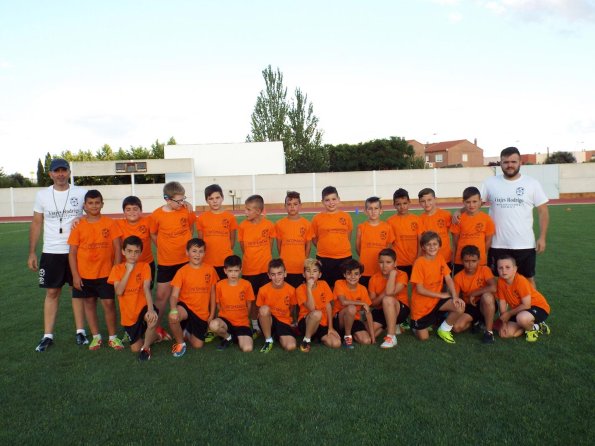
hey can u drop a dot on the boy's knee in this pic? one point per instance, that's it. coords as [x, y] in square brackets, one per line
[315, 316]
[350, 310]
[488, 298]
[264, 311]
[388, 300]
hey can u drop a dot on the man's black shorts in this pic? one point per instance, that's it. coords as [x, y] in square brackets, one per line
[54, 271]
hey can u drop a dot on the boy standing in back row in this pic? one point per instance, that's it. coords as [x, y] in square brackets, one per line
[436, 220]
[405, 227]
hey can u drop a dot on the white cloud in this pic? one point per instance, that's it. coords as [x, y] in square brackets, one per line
[539, 10]
[455, 17]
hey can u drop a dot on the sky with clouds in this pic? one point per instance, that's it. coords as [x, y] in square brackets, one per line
[76, 75]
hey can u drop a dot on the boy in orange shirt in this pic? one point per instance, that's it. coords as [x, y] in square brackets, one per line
[473, 228]
[218, 228]
[436, 220]
[171, 228]
[372, 236]
[315, 300]
[94, 249]
[331, 231]
[388, 293]
[476, 284]
[405, 227]
[132, 280]
[256, 235]
[350, 298]
[523, 309]
[275, 301]
[294, 239]
[192, 300]
[134, 223]
[430, 272]
[234, 298]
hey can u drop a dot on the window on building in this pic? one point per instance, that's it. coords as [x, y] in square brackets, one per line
[439, 158]
[427, 158]
[465, 157]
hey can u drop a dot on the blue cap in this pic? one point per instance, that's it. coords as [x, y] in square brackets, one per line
[59, 163]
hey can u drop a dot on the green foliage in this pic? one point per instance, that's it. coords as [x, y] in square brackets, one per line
[380, 154]
[560, 158]
[13, 180]
[43, 179]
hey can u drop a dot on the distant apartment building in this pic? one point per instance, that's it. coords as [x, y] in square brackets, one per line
[449, 153]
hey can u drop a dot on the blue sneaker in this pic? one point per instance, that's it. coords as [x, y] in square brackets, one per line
[178, 350]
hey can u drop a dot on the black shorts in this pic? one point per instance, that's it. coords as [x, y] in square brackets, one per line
[137, 331]
[95, 288]
[378, 314]
[433, 317]
[357, 326]
[280, 328]
[331, 269]
[257, 281]
[320, 332]
[152, 267]
[525, 260]
[236, 330]
[295, 280]
[54, 270]
[473, 311]
[166, 273]
[193, 324]
[220, 272]
[538, 313]
[365, 281]
[406, 269]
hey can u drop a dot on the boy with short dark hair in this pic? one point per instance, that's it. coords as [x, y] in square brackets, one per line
[234, 298]
[436, 220]
[218, 228]
[430, 272]
[372, 236]
[275, 302]
[405, 227]
[350, 298]
[523, 309]
[94, 249]
[294, 239]
[332, 230]
[192, 300]
[476, 285]
[171, 228]
[132, 280]
[473, 228]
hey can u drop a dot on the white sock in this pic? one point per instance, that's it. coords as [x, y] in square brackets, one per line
[535, 326]
[255, 325]
[228, 338]
[346, 336]
[48, 335]
[269, 340]
[445, 327]
[112, 337]
[97, 336]
[81, 331]
[307, 339]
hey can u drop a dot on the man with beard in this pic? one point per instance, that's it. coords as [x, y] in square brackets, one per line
[512, 197]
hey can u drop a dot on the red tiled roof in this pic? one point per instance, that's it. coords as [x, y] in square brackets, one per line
[443, 146]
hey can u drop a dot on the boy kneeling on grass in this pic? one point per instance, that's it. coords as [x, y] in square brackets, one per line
[132, 284]
[523, 309]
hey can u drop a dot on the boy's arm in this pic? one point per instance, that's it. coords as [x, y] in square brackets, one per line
[392, 286]
[154, 238]
[310, 305]
[232, 237]
[212, 304]
[120, 285]
[242, 247]
[199, 233]
[490, 287]
[525, 305]
[279, 244]
[344, 301]
[73, 262]
[421, 289]
[455, 243]
[544, 220]
[358, 240]
[173, 304]
[151, 313]
[117, 245]
[308, 248]
[488, 241]
[34, 234]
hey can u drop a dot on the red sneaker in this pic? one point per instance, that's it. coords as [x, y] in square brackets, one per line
[162, 335]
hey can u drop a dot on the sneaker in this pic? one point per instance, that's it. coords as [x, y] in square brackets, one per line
[544, 328]
[446, 336]
[532, 335]
[81, 339]
[116, 344]
[44, 344]
[209, 336]
[305, 346]
[224, 344]
[255, 334]
[389, 342]
[405, 326]
[125, 337]
[475, 328]
[267, 347]
[488, 338]
[398, 330]
[95, 343]
[145, 354]
[178, 350]
[162, 335]
[348, 342]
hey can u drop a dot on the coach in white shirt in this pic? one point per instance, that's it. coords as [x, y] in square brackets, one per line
[512, 197]
[55, 209]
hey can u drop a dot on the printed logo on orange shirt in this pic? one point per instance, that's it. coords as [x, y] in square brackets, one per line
[302, 231]
[441, 223]
[242, 296]
[383, 235]
[105, 233]
[138, 278]
[207, 277]
[343, 221]
[286, 300]
[480, 283]
[479, 227]
[264, 233]
[183, 221]
[225, 223]
[414, 226]
[143, 229]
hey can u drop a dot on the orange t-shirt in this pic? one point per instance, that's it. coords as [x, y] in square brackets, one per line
[95, 255]
[468, 283]
[173, 230]
[430, 273]
[331, 232]
[373, 239]
[359, 294]
[378, 282]
[133, 300]
[322, 295]
[216, 231]
[440, 223]
[142, 229]
[472, 230]
[279, 300]
[256, 238]
[293, 235]
[233, 301]
[195, 286]
[406, 229]
[519, 288]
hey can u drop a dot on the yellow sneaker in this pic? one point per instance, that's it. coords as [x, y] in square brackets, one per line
[532, 335]
[446, 336]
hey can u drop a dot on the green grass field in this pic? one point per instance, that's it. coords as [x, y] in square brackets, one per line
[511, 392]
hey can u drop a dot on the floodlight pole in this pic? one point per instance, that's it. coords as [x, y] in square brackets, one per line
[132, 184]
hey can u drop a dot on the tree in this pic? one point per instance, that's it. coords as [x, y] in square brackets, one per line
[560, 158]
[379, 154]
[42, 177]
